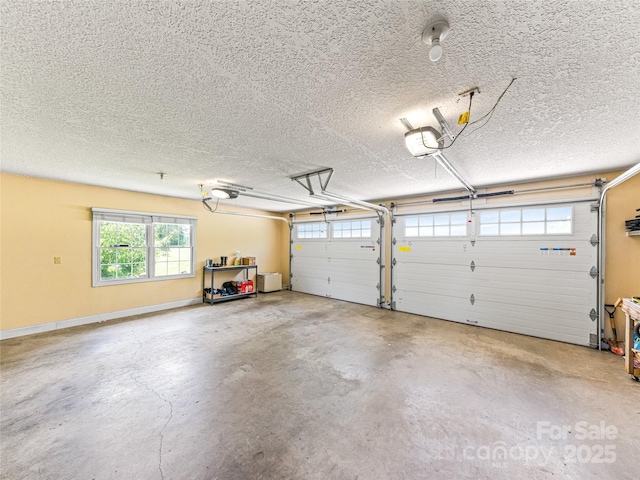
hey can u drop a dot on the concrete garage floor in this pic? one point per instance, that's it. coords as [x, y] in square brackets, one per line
[292, 386]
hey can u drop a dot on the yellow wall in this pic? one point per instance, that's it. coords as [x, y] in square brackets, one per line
[41, 219]
[622, 268]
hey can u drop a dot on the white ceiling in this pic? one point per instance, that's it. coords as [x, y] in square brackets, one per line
[111, 92]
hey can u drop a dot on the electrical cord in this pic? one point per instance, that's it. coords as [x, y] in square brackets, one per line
[456, 137]
[208, 207]
[489, 114]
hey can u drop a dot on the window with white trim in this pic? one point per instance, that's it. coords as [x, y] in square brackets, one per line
[311, 230]
[351, 229]
[527, 221]
[136, 247]
[440, 225]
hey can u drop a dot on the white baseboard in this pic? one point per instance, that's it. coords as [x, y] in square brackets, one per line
[101, 317]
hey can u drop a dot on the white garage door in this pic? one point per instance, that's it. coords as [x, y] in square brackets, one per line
[338, 259]
[526, 269]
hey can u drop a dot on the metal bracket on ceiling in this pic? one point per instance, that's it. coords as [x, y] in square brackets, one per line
[304, 179]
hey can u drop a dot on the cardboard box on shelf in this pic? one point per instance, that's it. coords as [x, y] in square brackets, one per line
[248, 260]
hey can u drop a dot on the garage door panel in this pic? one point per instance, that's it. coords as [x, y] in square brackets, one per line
[342, 268]
[315, 286]
[536, 285]
[365, 250]
[529, 300]
[534, 296]
[421, 252]
[310, 249]
[438, 307]
[431, 271]
[571, 291]
[354, 293]
[571, 327]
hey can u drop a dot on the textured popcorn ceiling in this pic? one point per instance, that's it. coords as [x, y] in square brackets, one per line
[112, 92]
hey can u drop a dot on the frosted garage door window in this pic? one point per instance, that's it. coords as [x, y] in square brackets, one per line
[527, 221]
[352, 229]
[312, 230]
[442, 225]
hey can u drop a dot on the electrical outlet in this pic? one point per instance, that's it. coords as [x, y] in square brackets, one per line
[466, 93]
[57, 260]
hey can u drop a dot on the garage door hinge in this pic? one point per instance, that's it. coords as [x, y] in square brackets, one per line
[328, 279]
[473, 265]
[393, 240]
[593, 272]
[472, 299]
[378, 287]
[473, 242]
[378, 241]
[378, 260]
[394, 262]
[593, 315]
[594, 240]
[394, 289]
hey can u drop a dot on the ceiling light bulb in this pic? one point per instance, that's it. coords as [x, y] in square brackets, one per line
[433, 35]
[423, 141]
[224, 193]
[436, 50]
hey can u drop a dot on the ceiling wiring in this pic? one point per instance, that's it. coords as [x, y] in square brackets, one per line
[456, 137]
[489, 114]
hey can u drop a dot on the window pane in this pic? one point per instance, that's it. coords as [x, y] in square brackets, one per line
[124, 255]
[510, 216]
[366, 224]
[441, 220]
[139, 270]
[533, 215]
[458, 230]
[426, 231]
[124, 270]
[346, 234]
[459, 219]
[107, 256]
[411, 231]
[337, 226]
[490, 229]
[559, 213]
[138, 255]
[533, 228]
[426, 220]
[411, 222]
[441, 231]
[356, 234]
[558, 227]
[489, 217]
[161, 269]
[185, 267]
[107, 272]
[510, 228]
[337, 234]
